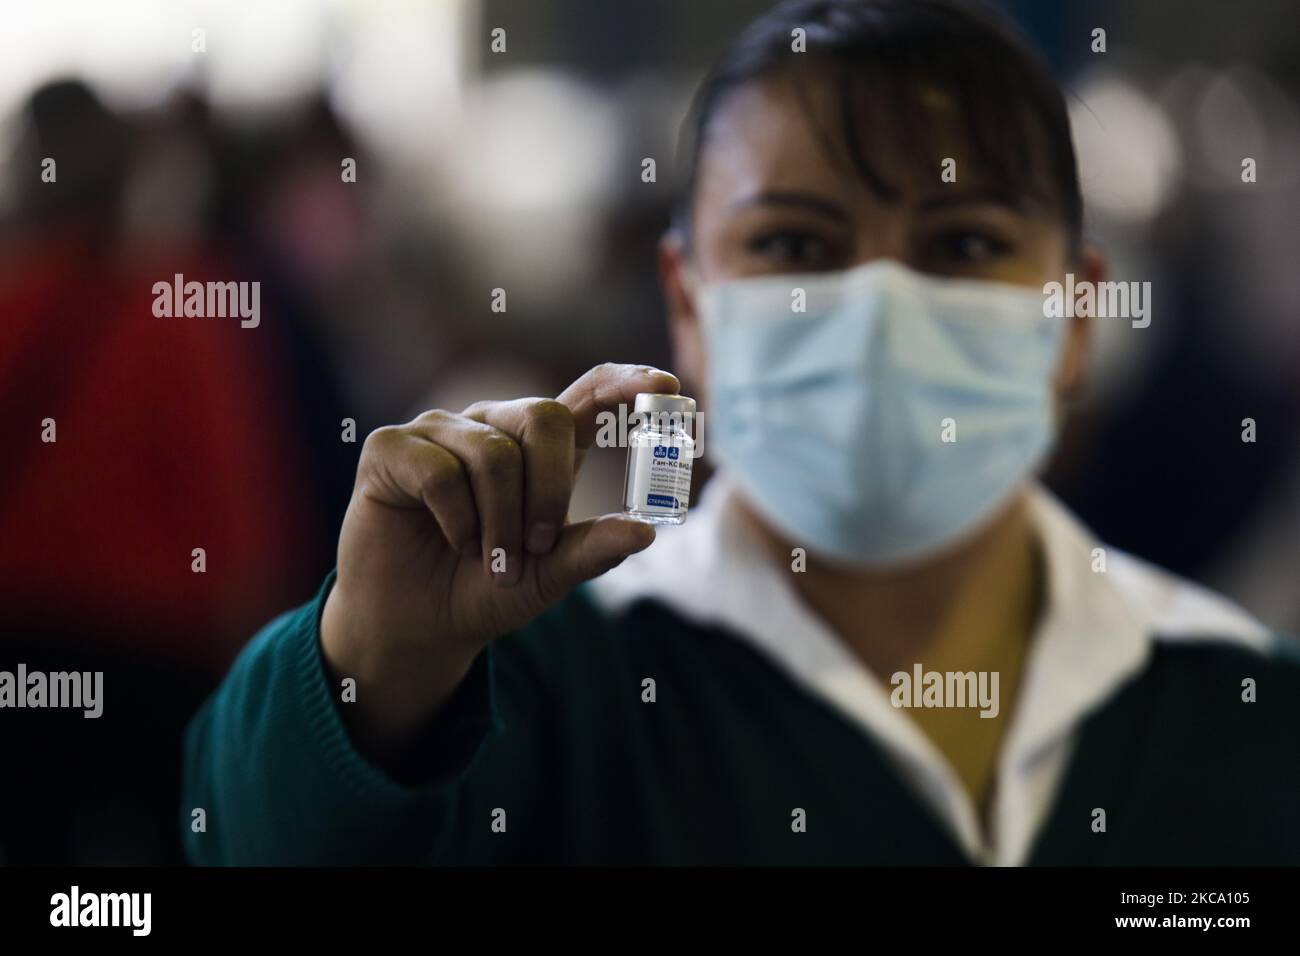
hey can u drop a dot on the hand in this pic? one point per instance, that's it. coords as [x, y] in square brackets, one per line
[456, 534]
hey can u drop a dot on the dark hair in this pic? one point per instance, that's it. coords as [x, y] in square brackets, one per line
[1014, 113]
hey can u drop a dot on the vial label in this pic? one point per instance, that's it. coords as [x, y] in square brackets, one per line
[658, 481]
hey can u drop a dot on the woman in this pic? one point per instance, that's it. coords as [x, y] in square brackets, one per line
[879, 192]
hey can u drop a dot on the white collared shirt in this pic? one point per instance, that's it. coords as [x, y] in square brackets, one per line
[1096, 631]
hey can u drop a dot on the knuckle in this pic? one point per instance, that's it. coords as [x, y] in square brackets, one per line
[434, 416]
[500, 456]
[378, 441]
[549, 417]
[443, 479]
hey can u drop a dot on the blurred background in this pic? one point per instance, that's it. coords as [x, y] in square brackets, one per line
[520, 170]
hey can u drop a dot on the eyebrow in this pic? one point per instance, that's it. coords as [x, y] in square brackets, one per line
[807, 201]
[931, 203]
[947, 200]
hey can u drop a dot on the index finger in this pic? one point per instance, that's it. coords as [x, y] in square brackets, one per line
[604, 388]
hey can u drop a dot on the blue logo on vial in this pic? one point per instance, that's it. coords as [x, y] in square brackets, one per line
[663, 451]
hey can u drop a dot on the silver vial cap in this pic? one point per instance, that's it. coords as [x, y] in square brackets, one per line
[655, 403]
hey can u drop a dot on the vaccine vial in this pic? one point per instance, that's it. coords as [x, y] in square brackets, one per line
[660, 450]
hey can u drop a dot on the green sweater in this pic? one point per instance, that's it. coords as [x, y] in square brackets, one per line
[549, 753]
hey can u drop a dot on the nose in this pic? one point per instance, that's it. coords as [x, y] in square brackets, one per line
[882, 235]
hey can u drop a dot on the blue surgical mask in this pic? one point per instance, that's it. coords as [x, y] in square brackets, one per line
[892, 417]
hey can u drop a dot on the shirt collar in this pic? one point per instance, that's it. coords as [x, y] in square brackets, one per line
[1103, 612]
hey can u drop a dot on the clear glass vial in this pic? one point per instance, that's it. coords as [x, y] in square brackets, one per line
[660, 452]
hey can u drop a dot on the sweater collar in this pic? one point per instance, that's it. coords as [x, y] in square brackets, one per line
[1103, 611]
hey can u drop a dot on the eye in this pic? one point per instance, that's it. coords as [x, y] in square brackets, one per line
[793, 249]
[969, 246]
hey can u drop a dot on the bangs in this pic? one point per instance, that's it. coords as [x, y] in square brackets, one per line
[914, 82]
[906, 99]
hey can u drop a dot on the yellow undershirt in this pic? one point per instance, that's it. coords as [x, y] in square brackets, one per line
[982, 633]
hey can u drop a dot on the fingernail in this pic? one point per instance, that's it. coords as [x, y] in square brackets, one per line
[643, 534]
[541, 538]
[646, 536]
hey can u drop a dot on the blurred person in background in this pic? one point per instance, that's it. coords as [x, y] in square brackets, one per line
[731, 693]
[164, 436]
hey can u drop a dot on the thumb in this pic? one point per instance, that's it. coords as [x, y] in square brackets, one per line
[586, 550]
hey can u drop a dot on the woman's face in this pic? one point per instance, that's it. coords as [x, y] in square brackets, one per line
[774, 195]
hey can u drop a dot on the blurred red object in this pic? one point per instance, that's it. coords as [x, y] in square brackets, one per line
[172, 434]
